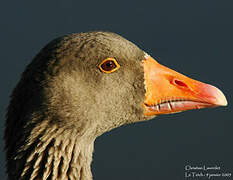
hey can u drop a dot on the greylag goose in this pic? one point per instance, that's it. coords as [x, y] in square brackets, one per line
[80, 86]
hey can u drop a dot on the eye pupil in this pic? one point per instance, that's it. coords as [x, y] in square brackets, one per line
[108, 65]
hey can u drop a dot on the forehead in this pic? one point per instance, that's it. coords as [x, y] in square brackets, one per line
[101, 45]
[85, 49]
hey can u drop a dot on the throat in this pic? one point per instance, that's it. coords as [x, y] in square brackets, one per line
[57, 154]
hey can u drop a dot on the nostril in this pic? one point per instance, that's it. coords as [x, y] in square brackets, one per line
[180, 83]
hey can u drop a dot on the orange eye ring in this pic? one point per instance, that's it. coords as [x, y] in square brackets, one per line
[109, 65]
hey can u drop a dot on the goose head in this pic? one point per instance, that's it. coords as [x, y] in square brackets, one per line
[82, 85]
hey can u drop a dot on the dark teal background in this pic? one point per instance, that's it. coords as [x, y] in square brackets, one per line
[191, 36]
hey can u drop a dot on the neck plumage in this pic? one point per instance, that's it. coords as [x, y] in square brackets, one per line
[55, 153]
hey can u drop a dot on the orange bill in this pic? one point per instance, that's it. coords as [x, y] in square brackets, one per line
[168, 91]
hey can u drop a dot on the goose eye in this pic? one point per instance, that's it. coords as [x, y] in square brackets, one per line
[109, 65]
